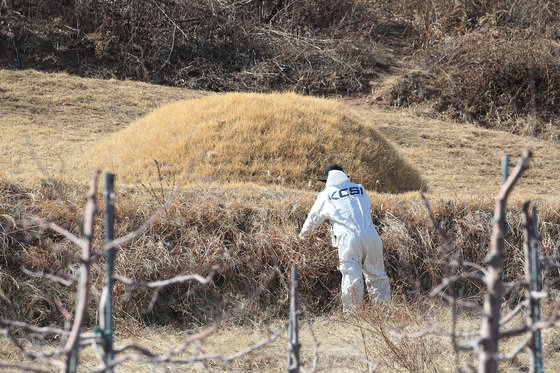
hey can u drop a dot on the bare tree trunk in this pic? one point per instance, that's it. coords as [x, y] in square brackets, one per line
[490, 327]
[72, 344]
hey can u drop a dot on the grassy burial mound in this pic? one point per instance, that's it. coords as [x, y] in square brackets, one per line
[275, 138]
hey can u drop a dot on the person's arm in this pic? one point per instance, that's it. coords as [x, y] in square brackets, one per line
[315, 217]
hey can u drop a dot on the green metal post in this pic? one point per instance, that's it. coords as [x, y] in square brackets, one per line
[505, 175]
[505, 167]
[294, 346]
[110, 265]
[535, 286]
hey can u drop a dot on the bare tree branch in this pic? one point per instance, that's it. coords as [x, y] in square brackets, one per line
[84, 287]
[45, 358]
[447, 281]
[543, 324]
[490, 327]
[75, 338]
[517, 349]
[21, 368]
[9, 324]
[171, 281]
[50, 277]
[80, 242]
[513, 312]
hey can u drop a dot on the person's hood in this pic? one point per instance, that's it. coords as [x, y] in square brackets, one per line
[336, 177]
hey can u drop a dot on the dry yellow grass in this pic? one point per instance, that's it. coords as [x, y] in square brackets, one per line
[49, 120]
[341, 344]
[274, 138]
[461, 159]
[46, 119]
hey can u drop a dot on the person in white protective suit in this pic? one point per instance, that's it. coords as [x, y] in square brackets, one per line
[360, 251]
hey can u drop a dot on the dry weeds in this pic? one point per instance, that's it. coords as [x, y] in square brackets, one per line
[250, 232]
[393, 336]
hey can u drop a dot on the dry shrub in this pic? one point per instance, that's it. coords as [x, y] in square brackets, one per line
[251, 238]
[417, 258]
[477, 53]
[22, 296]
[277, 138]
[316, 46]
[436, 20]
[492, 78]
[378, 325]
[482, 58]
[250, 232]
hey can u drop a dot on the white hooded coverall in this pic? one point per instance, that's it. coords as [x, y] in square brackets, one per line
[347, 207]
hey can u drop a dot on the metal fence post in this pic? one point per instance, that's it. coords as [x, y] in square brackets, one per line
[536, 303]
[505, 175]
[294, 346]
[106, 322]
[505, 167]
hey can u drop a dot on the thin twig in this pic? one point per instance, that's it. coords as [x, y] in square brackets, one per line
[513, 313]
[517, 349]
[84, 287]
[539, 325]
[50, 277]
[8, 324]
[80, 242]
[450, 280]
[171, 281]
[171, 20]
[436, 332]
[21, 368]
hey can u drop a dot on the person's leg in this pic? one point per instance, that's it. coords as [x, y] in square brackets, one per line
[377, 282]
[352, 287]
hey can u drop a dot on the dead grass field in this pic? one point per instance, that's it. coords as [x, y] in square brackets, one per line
[340, 344]
[49, 120]
[460, 159]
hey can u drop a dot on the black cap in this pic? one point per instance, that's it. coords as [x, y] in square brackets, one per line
[330, 167]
